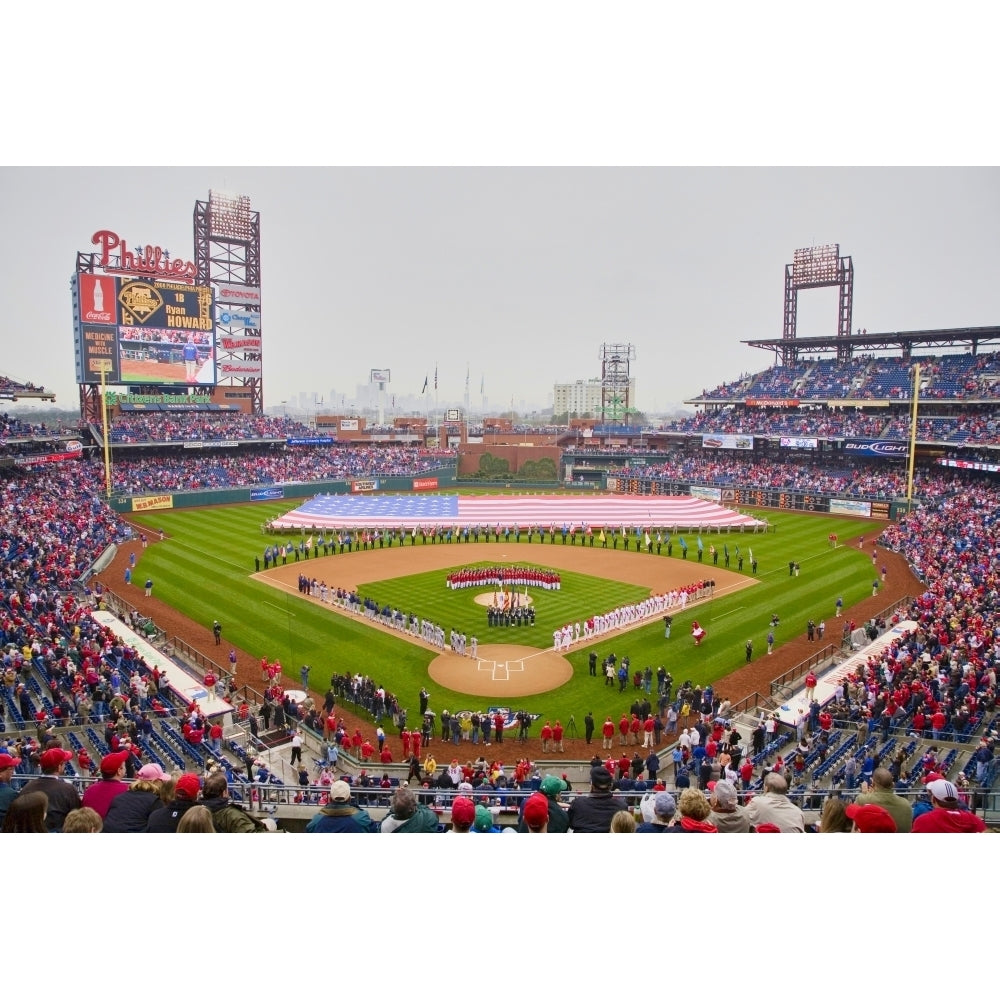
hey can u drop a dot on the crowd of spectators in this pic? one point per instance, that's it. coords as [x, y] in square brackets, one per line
[785, 423]
[16, 429]
[173, 427]
[53, 525]
[853, 480]
[937, 681]
[144, 473]
[950, 376]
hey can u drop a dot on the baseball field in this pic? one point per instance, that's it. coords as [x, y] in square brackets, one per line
[204, 569]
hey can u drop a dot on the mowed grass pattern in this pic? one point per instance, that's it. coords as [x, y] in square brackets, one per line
[579, 597]
[203, 569]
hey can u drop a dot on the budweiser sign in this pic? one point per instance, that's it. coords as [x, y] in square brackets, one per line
[149, 261]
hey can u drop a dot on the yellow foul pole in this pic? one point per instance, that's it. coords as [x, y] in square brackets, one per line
[913, 436]
[104, 420]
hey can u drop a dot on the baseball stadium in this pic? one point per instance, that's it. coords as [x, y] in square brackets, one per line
[776, 615]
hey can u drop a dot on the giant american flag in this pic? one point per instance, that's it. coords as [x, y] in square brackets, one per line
[451, 510]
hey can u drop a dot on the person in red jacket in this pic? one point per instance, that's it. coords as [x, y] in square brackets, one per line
[937, 724]
[635, 727]
[811, 686]
[608, 732]
[557, 737]
[648, 728]
[546, 737]
[498, 725]
[623, 724]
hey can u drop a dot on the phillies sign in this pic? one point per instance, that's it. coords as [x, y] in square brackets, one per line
[117, 258]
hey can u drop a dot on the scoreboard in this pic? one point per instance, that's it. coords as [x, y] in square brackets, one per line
[143, 331]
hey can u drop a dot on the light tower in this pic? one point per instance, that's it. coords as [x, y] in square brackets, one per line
[616, 382]
[227, 253]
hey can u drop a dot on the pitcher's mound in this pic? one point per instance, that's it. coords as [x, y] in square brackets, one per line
[502, 671]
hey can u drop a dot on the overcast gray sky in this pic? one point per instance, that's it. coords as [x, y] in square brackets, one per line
[515, 275]
[518, 275]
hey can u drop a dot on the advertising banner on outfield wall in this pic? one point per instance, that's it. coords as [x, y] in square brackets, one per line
[364, 486]
[741, 442]
[268, 493]
[425, 484]
[707, 493]
[852, 508]
[152, 503]
[799, 442]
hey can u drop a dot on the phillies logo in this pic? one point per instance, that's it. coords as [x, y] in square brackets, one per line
[149, 260]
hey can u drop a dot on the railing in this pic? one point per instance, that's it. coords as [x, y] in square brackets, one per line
[132, 616]
[829, 653]
[195, 658]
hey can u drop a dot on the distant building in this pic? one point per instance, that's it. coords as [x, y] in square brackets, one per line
[582, 396]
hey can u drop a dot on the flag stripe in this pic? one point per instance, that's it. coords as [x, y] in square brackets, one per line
[412, 511]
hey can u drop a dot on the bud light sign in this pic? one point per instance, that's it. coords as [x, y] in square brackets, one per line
[268, 493]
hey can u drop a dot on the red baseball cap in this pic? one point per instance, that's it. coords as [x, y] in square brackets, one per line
[51, 759]
[871, 818]
[111, 762]
[7, 761]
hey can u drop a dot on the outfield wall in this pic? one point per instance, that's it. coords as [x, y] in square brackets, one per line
[438, 479]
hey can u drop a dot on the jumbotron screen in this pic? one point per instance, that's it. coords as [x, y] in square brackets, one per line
[138, 331]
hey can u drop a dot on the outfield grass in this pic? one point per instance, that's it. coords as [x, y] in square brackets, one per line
[203, 569]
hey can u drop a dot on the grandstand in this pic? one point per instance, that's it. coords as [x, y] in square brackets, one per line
[911, 686]
[62, 677]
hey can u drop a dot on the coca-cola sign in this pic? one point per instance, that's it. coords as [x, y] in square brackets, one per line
[150, 261]
[98, 299]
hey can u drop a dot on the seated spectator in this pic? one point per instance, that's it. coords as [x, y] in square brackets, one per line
[407, 815]
[83, 820]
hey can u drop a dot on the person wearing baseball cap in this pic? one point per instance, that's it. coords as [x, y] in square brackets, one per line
[186, 793]
[658, 811]
[870, 818]
[550, 789]
[130, 813]
[98, 795]
[338, 815]
[947, 814]
[592, 813]
[463, 814]
[7, 791]
[63, 797]
[535, 815]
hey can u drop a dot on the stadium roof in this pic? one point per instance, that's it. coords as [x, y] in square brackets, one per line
[904, 341]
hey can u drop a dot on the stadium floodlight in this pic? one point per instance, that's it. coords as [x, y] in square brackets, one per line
[812, 266]
[230, 217]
